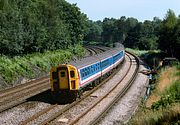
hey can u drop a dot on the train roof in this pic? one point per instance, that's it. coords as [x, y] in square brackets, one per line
[92, 59]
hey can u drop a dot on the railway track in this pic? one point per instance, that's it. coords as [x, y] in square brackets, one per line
[94, 50]
[58, 112]
[16, 95]
[108, 102]
[104, 104]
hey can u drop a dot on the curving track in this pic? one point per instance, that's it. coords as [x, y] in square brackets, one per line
[52, 113]
[18, 94]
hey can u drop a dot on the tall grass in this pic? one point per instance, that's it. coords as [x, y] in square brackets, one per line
[27, 66]
[166, 110]
[141, 52]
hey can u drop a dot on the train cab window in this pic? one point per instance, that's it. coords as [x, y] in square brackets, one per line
[72, 74]
[62, 74]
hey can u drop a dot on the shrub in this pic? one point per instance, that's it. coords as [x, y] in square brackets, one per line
[27, 66]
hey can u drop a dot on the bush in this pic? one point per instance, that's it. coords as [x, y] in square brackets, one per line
[28, 65]
[39, 25]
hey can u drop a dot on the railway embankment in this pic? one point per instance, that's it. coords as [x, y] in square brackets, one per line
[20, 69]
[162, 104]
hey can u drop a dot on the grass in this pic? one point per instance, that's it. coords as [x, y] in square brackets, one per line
[27, 66]
[137, 52]
[166, 110]
[168, 116]
[141, 53]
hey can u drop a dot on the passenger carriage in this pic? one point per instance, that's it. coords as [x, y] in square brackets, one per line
[69, 80]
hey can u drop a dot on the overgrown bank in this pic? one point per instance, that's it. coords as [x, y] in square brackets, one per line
[163, 106]
[13, 70]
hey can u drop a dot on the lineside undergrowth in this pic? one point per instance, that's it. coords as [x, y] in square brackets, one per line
[34, 65]
[166, 109]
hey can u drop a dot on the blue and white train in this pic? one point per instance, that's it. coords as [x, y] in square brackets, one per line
[70, 79]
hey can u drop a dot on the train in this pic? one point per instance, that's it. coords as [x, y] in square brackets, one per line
[68, 81]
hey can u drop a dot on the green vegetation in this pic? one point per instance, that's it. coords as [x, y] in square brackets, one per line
[138, 52]
[148, 35]
[170, 95]
[37, 34]
[29, 65]
[39, 25]
[151, 57]
[168, 116]
[166, 109]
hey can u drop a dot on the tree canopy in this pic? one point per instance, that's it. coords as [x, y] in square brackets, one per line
[39, 25]
[156, 34]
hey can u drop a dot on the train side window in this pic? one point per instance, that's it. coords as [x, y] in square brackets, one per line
[85, 73]
[72, 74]
[91, 69]
[62, 74]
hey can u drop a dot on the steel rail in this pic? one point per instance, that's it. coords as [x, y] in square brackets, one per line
[21, 86]
[120, 94]
[103, 97]
[66, 108]
[20, 90]
[11, 97]
[60, 112]
[21, 97]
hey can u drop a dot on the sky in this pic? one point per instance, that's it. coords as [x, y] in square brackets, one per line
[139, 9]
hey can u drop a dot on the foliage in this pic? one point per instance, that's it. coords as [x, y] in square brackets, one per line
[141, 53]
[171, 95]
[27, 66]
[168, 116]
[39, 25]
[142, 36]
[148, 35]
[110, 30]
[94, 31]
[164, 111]
[129, 31]
[170, 34]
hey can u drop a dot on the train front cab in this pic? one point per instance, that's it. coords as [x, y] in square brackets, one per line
[64, 81]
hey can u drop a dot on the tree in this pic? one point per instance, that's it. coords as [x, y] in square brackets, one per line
[39, 25]
[94, 31]
[166, 41]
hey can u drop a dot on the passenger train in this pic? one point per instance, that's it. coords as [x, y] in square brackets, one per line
[69, 80]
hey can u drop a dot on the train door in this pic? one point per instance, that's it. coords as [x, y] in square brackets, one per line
[54, 80]
[63, 78]
[73, 78]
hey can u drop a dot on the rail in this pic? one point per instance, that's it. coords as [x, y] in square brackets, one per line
[11, 97]
[60, 112]
[119, 95]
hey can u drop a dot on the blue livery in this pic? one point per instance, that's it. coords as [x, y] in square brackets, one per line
[88, 71]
